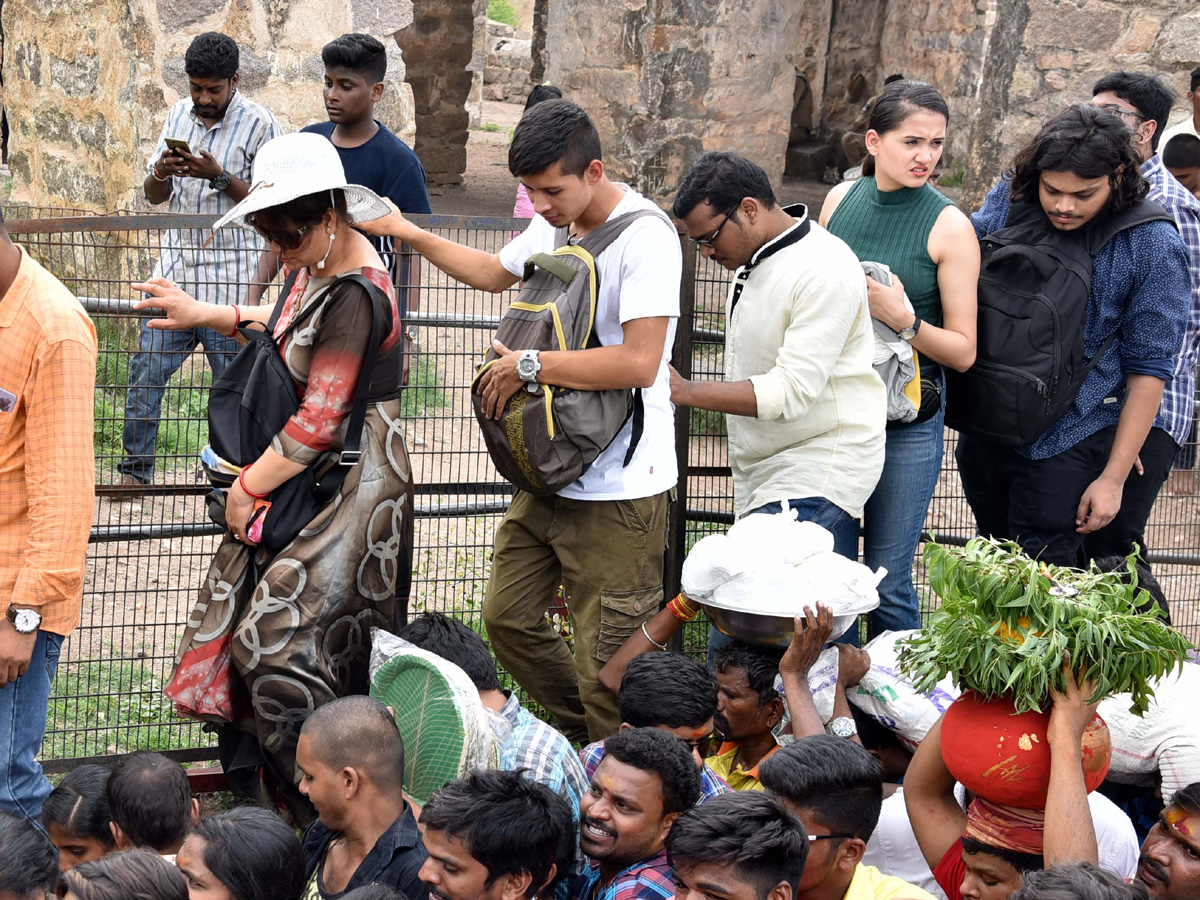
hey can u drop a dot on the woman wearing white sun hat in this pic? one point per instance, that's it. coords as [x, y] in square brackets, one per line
[296, 623]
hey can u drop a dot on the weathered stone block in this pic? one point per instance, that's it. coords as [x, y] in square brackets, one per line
[1093, 26]
[73, 184]
[1055, 61]
[808, 160]
[1054, 80]
[1179, 41]
[77, 77]
[175, 16]
[1141, 35]
[380, 17]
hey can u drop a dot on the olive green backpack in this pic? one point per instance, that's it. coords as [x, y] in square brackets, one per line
[547, 437]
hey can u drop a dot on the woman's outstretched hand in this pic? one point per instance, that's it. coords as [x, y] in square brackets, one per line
[182, 310]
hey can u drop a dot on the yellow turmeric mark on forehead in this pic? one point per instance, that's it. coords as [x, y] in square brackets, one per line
[1180, 820]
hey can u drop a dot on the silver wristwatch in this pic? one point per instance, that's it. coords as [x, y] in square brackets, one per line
[26, 621]
[528, 366]
[842, 726]
[911, 331]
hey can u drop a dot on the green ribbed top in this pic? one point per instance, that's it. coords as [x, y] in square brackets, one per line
[892, 227]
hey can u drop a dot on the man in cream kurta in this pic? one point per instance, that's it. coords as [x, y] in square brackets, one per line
[807, 411]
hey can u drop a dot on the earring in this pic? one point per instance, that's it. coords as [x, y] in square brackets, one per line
[321, 264]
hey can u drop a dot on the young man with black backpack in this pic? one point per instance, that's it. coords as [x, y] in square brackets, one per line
[1080, 400]
[601, 537]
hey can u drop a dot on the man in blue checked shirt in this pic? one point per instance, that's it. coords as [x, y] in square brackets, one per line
[526, 743]
[202, 164]
[1143, 102]
[645, 782]
[673, 693]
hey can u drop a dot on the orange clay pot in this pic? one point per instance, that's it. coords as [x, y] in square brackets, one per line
[1003, 756]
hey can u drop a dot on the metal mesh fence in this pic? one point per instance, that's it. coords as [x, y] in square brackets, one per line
[152, 542]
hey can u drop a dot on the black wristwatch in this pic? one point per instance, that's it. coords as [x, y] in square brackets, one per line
[221, 182]
[911, 331]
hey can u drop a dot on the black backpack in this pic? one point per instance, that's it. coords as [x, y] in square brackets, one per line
[1034, 284]
[254, 398]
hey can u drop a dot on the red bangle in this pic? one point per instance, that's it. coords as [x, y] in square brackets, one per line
[237, 320]
[242, 482]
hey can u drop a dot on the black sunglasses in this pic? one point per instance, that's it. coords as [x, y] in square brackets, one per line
[702, 745]
[708, 241]
[284, 240]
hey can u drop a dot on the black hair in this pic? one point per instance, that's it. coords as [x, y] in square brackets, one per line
[667, 689]
[455, 642]
[724, 180]
[358, 732]
[897, 76]
[211, 55]
[139, 874]
[1188, 797]
[899, 100]
[253, 853]
[374, 891]
[666, 756]
[1195, 82]
[760, 665]
[1149, 94]
[79, 805]
[554, 131]
[150, 800]
[754, 834]
[836, 780]
[1119, 565]
[1088, 142]
[507, 822]
[1182, 152]
[1022, 862]
[303, 212]
[360, 53]
[540, 94]
[1076, 881]
[28, 861]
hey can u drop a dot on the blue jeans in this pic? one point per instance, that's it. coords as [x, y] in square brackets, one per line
[829, 516]
[160, 354]
[895, 516]
[23, 707]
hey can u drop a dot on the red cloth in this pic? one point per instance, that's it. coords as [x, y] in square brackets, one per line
[1006, 827]
[950, 871]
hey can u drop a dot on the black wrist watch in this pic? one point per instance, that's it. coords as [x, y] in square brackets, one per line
[221, 182]
[911, 331]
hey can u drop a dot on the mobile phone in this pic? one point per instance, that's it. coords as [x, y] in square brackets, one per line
[178, 144]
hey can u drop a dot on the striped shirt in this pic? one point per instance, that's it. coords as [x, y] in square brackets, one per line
[1178, 402]
[220, 272]
[650, 879]
[711, 784]
[47, 374]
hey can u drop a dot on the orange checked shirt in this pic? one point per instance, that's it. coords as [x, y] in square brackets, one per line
[47, 468]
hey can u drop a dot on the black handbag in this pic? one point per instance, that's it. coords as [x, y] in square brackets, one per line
[252, 401]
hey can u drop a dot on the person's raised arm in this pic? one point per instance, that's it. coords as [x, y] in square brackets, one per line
[477, 268]
[937, 819]
[811, 631]
[1070, 833]
[184, 312]
[666, 623]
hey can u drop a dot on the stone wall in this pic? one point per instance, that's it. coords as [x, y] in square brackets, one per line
[1047, 54]
[506, 70]
[665, 81]
[89, 82]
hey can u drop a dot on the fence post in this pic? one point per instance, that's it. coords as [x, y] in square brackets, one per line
[681, 358]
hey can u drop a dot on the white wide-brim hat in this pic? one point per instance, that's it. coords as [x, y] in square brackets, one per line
[296, 165]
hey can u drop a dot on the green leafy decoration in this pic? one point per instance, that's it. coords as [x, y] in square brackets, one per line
[1006, 621]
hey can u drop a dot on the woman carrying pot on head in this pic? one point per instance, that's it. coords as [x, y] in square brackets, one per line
[279, 630]
[892, 215]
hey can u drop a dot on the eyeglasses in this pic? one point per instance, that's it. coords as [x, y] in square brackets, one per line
[284, 240]
[1121, 111]
[813, 838]
[708, 241]
[702, 745]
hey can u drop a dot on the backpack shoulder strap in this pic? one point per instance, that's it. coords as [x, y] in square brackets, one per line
[1146, 211]
[598, 239]
[562, 237]
[288, 284]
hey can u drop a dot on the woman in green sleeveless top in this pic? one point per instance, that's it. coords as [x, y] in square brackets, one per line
[894, 216]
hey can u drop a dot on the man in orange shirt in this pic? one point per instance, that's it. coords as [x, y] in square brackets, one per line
[47, 377]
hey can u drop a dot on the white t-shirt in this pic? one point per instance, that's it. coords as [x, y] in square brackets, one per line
[639, 279]
[1187, 126]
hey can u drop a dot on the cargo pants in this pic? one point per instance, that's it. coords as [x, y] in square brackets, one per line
[608, 556]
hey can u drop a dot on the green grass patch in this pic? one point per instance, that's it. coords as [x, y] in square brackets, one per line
[491, 127]
[425, 390]
[100, 707]
[953, 179]
[502, 11]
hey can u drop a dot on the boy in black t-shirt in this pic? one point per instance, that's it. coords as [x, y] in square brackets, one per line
[371, 154]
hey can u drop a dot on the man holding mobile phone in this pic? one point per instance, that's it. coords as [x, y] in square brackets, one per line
[202, 166]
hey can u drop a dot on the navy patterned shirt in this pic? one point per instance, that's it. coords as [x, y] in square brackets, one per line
[1141, 290]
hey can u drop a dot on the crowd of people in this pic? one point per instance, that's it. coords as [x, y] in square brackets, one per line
[719, 780]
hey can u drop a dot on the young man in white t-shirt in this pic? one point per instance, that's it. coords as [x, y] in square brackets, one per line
[601, 538]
